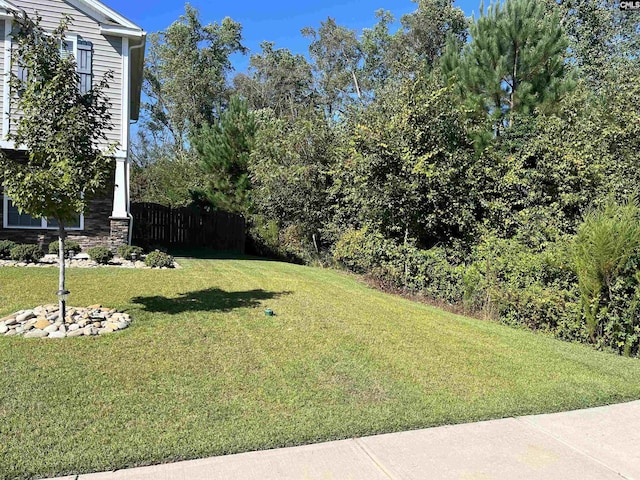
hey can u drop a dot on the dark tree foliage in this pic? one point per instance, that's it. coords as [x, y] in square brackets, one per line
[223, 149]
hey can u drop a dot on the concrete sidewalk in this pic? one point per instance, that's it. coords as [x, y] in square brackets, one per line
[598, 443]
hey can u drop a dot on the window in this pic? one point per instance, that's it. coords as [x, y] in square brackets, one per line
[85, 57]
[14, 219]
[82, 50]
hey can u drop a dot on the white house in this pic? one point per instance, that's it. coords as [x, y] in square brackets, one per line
[101, 40]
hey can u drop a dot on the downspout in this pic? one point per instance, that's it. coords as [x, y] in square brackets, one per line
[128, 173]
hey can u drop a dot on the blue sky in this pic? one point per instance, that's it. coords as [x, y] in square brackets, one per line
[279, 21]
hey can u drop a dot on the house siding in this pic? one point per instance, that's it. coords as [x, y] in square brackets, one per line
[107, 52]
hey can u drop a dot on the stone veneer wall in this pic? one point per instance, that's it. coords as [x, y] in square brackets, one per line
[99, 228]
[119, 232]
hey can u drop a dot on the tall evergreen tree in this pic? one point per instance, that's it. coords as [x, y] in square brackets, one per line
[223, 149]
[514, 62]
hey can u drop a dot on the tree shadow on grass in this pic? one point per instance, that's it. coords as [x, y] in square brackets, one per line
[209, 300]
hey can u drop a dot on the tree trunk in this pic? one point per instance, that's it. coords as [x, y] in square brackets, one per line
[61, 237]
[357, 85]
[514, 86]
[406, 259]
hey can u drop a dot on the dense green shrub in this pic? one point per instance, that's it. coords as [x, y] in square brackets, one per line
[362, 251]
[501, 279]
[26, 253]
[126, 251]
[5, 248]
[68, 245]
[100, 255]
[158, 259]
[403, 267]
[522, 286]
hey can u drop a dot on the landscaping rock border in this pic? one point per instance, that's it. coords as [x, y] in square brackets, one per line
[80, 260]
[44, 322]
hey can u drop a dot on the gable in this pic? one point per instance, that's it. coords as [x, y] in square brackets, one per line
[111, 34]
[98, 11]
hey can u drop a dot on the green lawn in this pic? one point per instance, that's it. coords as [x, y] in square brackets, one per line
[203, 372]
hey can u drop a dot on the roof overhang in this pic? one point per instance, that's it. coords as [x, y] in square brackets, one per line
[136, 59]
[102, 13]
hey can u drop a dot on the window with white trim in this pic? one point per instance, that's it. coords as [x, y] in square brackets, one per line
[12, 218]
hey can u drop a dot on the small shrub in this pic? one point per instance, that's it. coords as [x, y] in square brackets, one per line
[362, 251]
[26, 253]
[125, 251]
[68, 245]
[5, 248]
[158, 259]
[100, 254]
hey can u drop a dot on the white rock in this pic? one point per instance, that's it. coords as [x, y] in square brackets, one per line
[11, 321]
[36, 333]
[25, 316]
[57, 335]
[90, 330]
[122, 325]
[3, 329]
[75, 333]
[73, 327]
[51, 328]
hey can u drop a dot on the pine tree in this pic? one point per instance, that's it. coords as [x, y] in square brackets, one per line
[223, 149]
[514, 62]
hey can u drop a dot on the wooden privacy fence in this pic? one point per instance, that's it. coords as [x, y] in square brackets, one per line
[155, 224]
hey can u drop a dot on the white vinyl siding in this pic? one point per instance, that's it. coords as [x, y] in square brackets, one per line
[106, 51]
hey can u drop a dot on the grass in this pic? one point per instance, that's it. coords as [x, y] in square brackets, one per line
[202, 371]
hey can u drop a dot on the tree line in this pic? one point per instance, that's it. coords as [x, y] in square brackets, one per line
[489, 163]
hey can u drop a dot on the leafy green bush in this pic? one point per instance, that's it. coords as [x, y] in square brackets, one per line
[26, 253]
[501, 279]
[100, 255]
[362, 251]
[5, 248]
[158, 259]
[126, 251]
[424, 272]
[68, 245]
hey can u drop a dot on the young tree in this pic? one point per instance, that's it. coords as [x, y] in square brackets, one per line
[62, 129]
[223, 149]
